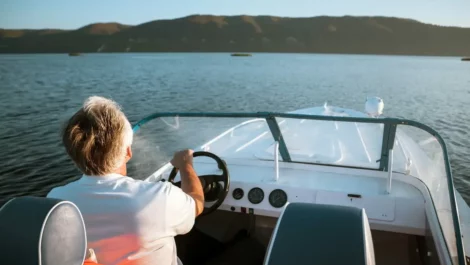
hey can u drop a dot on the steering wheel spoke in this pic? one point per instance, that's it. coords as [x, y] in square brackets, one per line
[212, 178]
[177, 184]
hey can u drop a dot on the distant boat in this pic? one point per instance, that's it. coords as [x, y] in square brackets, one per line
[466, 59]
[241, 54]
[74, 54]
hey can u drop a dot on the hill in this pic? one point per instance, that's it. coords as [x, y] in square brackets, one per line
[18, 33]
[102, 28]
[207, 33]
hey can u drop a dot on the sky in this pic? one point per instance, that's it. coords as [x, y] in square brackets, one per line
[66, 14]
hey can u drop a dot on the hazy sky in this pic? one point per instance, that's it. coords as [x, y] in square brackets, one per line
[67, 14]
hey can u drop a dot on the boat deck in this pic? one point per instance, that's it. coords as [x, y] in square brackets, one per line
[389, 248]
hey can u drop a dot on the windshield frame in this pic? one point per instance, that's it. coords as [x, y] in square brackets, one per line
[389, 132]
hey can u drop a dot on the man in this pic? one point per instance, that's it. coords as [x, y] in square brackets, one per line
[127, 221]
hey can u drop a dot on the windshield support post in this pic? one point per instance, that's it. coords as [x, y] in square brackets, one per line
[277, 135]
[390, 171]
[388, 141]
[276, 161]
[386, 161]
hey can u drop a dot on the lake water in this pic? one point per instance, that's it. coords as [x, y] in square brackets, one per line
[39, 92]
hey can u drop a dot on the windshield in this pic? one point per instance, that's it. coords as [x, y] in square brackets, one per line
[350, 144]
[325, 140]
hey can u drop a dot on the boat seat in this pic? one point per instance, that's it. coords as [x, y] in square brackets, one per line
[37, 230]
[321, 234]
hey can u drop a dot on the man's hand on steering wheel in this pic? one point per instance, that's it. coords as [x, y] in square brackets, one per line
[183, 159]
[190, 184]
[205, 186]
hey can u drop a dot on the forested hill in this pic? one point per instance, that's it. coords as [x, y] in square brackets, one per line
[206, 33]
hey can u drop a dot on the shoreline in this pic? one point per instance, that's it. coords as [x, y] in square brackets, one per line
[230, 52]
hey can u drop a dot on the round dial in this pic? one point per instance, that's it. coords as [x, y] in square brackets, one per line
[277, 198]
[238, 193]
[255, 195]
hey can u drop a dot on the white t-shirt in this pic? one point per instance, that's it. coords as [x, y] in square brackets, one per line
[130, 221]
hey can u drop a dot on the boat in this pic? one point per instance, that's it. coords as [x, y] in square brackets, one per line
[396, 170]
[321, 185]
[241, 54]
[466, 59]
[74, 54]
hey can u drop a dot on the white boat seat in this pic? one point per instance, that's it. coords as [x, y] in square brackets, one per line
[36, 230]
[321, 234]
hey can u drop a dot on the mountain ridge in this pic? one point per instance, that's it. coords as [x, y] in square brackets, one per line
[242, 33]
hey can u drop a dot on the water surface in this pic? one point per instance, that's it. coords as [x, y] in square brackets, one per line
[39, 92]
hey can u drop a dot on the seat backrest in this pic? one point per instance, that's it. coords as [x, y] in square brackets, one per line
[43, 231]
[321, 234]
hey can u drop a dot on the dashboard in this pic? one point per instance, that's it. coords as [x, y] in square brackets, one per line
[266, 199]
[253, 190]
[269, 198]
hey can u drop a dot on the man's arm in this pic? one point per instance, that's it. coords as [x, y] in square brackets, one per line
[191, 185]
[190, 182]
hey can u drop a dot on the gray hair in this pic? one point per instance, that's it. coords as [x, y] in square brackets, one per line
[97, 136]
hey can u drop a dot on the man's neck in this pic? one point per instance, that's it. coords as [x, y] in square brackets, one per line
[122, 170]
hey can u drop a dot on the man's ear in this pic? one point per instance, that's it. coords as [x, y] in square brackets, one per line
[128, 154]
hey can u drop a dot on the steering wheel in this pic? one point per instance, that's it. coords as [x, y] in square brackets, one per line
[213, 190]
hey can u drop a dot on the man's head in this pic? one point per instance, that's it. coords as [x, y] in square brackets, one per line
[98, 138]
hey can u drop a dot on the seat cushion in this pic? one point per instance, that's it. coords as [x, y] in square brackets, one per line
[322, 235]
[36, 230]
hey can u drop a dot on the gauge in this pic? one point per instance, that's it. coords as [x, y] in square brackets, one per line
[256, 195]
[277, 198]
[238, 193]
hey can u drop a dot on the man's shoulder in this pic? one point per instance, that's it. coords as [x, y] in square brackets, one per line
[128, 181]
[152, 187]
[59, 191]
[141, 188]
